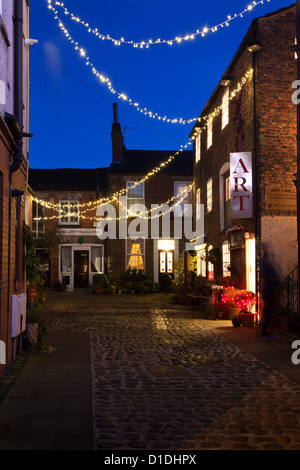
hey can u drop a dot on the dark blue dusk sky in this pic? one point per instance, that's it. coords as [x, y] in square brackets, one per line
[71, 111]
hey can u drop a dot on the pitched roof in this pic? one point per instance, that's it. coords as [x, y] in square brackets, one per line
[143, 161]
[67, 179]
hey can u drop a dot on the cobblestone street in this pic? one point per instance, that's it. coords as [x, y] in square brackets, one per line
[164, 379]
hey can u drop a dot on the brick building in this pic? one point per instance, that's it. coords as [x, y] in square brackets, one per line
[245, 156]
[63, 223]
[67, 201]
[14, 31]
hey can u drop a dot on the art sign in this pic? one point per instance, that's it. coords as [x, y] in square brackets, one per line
[241, 185]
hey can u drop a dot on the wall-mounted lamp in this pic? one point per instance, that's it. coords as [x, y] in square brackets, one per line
[226, 81]
[254, 47]
[30, 42]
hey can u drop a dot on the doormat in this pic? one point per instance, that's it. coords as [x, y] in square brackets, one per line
[168, 371]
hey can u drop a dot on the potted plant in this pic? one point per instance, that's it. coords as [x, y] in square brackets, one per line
[34, 276]
[228, 301]
[100, 283]
[246, 300]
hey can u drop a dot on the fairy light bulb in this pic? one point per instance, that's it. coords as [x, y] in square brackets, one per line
[151, 42]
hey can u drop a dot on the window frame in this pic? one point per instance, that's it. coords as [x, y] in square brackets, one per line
[68, 222]
[198, 147]
[209, 195]
[225, 107]
[135, 200]
[36, 207]
[188, 198]
[129, 253]
[226, 262]
[209, 132]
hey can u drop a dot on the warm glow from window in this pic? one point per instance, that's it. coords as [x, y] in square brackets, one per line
[166, 245]
[209, 195]
[198, 147]
[209, 132]
[225, 108]
[226, 259]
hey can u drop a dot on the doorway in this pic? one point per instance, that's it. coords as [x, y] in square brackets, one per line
[250, 264]
[166, 264]
[81, 268]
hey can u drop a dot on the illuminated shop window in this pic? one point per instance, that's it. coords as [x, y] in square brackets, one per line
[226, 259]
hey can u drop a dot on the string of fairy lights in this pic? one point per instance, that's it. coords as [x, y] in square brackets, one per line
[203, 120]
[107, 82]
[152, 42]
[142, 215]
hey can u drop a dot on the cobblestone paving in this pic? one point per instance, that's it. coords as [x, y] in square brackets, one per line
[162, 379]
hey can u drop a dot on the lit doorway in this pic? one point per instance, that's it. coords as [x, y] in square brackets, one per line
[250, 264]
[81, 268]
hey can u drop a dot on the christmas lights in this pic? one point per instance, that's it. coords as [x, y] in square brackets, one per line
[105, 200]
[151, 42]
[160, 214]
[106, 81]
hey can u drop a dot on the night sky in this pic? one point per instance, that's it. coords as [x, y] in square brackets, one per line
[71, 111]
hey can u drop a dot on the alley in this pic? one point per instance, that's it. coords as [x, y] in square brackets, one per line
[163, 379]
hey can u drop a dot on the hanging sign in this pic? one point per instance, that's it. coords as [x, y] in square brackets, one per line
[241, 185]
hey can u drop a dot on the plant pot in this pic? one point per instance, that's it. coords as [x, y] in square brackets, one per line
[32, 330]
[98, 290]
[233, 312]
[247, 319]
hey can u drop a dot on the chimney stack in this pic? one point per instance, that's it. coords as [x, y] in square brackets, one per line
[116, 136]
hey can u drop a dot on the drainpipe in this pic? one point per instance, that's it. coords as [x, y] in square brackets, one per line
[297, 175]
[15, 124]
[254, 48]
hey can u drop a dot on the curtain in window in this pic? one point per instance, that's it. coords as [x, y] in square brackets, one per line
[135, 254]
[96, 259]
[65, 258]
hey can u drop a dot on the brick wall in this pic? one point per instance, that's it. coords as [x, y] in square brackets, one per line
[276, 126]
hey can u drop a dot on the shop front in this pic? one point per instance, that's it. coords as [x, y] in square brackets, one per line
[78, 263]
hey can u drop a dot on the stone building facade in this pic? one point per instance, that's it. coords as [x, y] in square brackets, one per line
[245, 157]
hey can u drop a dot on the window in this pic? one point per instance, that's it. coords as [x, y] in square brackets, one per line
[182, 193]
[227, 197]
[97, 259]
[135, 195]
[209, 195]
[198, 147]
[38, 219]
[209, 132]
[210, 267]
[226, 259]
[135, 253]
[201, 263]
[198, 202]
[225, 108]
[65, 259]
[69, 212]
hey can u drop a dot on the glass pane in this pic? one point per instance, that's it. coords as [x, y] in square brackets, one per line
[135, 191]
[65, 259]
[64, 210]
[96, 259]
